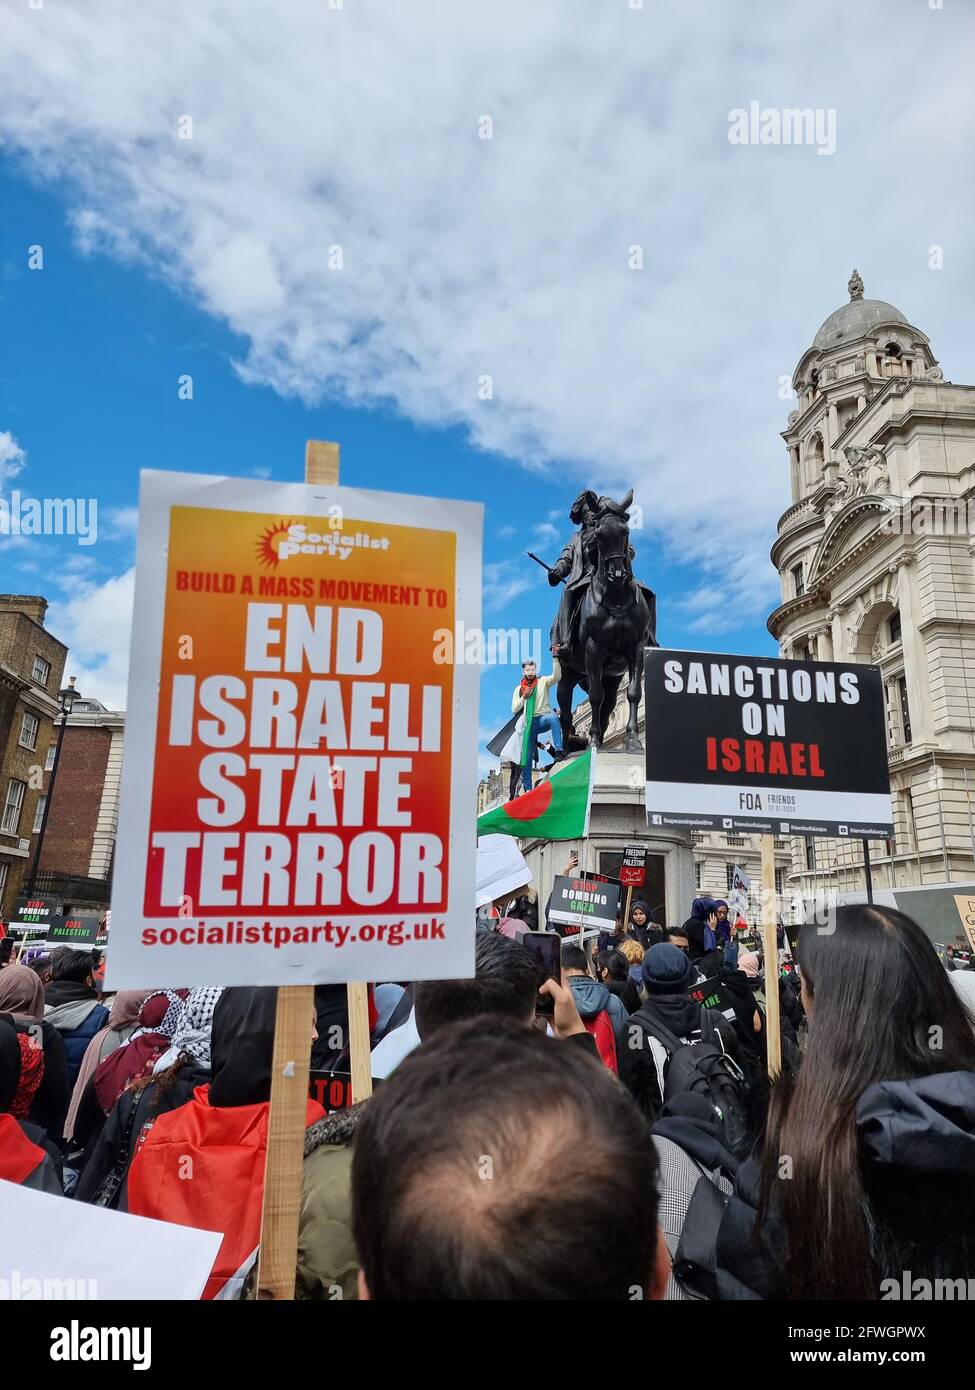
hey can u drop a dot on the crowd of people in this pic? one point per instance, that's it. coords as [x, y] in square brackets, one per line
[606, 1130]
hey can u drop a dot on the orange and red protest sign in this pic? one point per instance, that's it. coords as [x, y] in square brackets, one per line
[296, 800]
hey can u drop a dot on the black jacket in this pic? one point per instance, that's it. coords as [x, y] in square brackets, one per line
[680, 1015]
[116, 1141]
[917, 1143]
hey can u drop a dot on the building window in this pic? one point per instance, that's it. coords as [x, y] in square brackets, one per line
[798, 581]
[4, 866]
[905, 708]
[810, 854]
[698, 869]
[39, 814]
[894, 627]
[729, 877]
[49, 760]
[911, 821]
[11, 810]
[41, 672]
[780, 881]
[29, 726]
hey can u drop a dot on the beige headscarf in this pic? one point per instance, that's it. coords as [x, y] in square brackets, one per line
[124, 1015]
[21, 993]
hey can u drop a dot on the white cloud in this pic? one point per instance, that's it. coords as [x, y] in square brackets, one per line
[12, 458]
[505, 533]
[95, 621]
[545, 531]
[123, 522]
[508, 257]
[503, 581]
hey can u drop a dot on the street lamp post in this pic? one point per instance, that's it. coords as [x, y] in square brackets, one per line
[66, 699]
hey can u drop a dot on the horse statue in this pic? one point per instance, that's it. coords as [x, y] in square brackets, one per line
[606, 620]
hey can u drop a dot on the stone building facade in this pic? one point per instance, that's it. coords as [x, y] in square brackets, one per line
[876, 557]
[31, 674]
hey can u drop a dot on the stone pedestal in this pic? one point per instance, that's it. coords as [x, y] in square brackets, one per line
[619, 818]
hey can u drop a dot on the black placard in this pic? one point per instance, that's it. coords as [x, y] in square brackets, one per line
[766, 746]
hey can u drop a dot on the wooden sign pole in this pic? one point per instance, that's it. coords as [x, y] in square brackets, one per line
[770, 945]
[278, 1257]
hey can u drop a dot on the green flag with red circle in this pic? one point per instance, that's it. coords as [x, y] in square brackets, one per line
[557, 809]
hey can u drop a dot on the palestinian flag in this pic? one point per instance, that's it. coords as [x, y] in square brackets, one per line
[557, 809]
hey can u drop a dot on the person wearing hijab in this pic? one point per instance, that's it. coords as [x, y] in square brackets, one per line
[123, 1020]
[222, 1132]
[642, 927]
[22, 999]
[722, 929]
[159, 1017]
[132, 1095]
[23, 1156]
[701, 932]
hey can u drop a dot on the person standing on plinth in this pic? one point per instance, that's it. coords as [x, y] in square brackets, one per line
[532, 697]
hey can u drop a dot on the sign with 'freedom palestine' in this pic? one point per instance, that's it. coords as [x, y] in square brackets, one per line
[777, 747]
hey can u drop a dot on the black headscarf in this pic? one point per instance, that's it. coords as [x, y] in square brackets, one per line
[242, 1047]
[10, 1063]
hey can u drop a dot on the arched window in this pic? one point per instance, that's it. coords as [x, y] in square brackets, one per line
[891, 361]
[814, 460]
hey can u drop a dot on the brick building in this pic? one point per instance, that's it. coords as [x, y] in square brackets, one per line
[31, 673]
[79, 842]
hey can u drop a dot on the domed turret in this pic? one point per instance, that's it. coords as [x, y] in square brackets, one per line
[858, 319]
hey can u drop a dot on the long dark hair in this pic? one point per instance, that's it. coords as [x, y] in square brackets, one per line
[878, 990]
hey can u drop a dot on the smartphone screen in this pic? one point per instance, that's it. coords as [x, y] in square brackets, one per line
[546, 947]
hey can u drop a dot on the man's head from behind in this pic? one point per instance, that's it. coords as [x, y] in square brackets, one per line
[479, 1173]
[574, 961]
[73, 966]
[506, 981]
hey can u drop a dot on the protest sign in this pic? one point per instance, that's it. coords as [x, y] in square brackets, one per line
[965, 903]
[331, 1089]
[81, 931]
[594, 877]
[583, 905]
[294, 788]
[738, 897]
[57, 1249]
[762, 745]
[34, 909]
[633, 873]
[711, 994]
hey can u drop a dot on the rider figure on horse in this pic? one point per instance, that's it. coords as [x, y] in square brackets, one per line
[576, 565]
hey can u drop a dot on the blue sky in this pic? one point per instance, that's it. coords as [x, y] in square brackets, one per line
[462, 255]
[90, 358]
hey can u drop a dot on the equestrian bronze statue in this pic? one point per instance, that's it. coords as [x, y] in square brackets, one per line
[606, 617]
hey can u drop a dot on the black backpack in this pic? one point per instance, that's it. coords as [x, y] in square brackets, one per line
[702, 1067]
